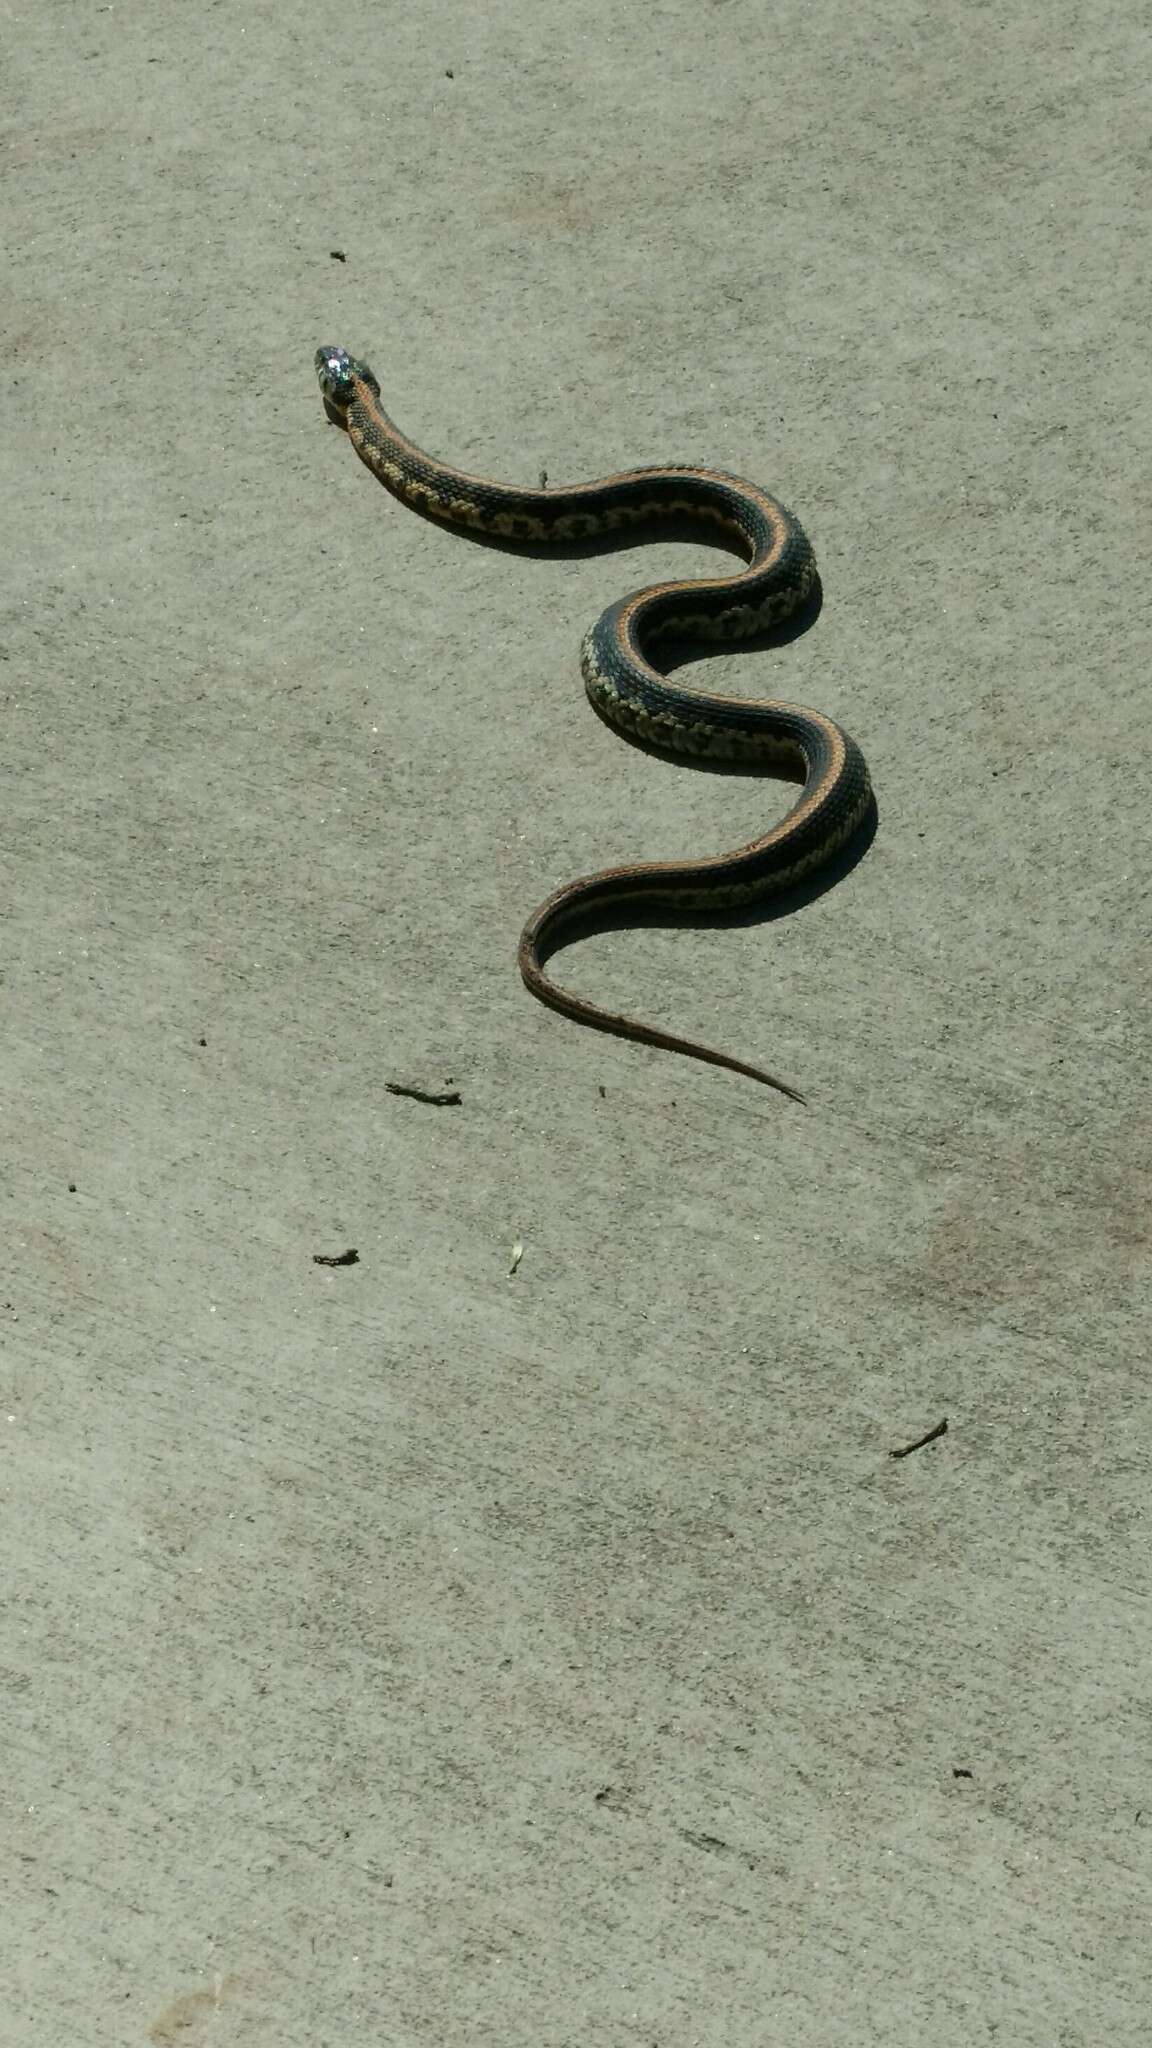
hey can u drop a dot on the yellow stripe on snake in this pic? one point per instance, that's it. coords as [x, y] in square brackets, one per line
[633, 696]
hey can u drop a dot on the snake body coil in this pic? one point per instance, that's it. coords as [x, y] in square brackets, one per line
[633, 696]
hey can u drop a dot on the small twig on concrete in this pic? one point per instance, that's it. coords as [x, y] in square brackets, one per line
[440, 1098]
[906, 1450]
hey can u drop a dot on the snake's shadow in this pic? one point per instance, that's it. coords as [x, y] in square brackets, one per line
[676, 652]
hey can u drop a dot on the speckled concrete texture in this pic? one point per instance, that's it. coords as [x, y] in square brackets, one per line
[420, 1653]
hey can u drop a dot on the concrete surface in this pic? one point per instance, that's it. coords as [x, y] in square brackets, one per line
[410, 1653]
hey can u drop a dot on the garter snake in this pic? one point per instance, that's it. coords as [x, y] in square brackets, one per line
[633, 696]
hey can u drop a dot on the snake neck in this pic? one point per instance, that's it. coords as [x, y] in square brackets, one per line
[723, 509]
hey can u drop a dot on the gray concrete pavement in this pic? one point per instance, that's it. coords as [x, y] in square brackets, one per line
[413, 1653]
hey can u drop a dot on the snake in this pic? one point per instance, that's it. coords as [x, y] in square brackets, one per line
[634, 697]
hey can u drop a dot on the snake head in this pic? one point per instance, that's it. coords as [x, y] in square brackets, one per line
[339, 374]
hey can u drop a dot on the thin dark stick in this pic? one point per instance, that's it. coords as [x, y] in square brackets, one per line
[440, 1097]
[906, 1450]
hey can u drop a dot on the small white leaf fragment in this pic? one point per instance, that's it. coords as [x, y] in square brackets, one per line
[517, 1255]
